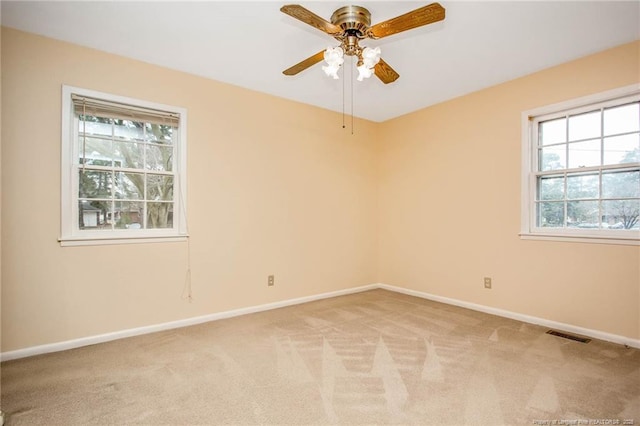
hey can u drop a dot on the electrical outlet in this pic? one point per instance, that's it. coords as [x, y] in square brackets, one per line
[487, 282]
[270, 280]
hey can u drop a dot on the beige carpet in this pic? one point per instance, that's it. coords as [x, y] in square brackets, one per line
[371, 358]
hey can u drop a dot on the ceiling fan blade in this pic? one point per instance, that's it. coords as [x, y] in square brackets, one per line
[414, 19]
[385, 73]
[303, 65]
[308, 17]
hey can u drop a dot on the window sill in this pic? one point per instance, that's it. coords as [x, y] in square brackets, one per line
[72, 242]
[590, 239]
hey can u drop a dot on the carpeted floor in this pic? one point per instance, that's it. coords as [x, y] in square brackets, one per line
[370, 358]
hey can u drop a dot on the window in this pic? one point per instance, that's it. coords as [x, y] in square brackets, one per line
[123, 170]
[581, 169]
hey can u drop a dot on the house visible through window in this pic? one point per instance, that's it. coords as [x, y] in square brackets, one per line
[583, 169]
[123, 169]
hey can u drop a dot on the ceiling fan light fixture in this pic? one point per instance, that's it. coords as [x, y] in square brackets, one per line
[368, 60]
[371, 56]
[334, 57]
[364, 72]
[331, 70]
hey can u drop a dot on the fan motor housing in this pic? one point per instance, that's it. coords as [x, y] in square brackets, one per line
[354, 20]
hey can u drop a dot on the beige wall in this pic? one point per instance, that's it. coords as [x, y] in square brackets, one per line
[277, 187]
[450, 206]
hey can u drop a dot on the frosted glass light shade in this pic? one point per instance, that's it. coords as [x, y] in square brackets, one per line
[334, 56]
[364, 72]
[331, 70]
[371, 56]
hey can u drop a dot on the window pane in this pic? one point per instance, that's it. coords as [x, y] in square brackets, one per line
[583, 214]
[94, 184]
[553, 158]
[92, 215]
[621, 214]
[551, 188]
[159, 187]
[159, 133]
[96, 151]
[159, 215]
[129, 186]
[553, 131]
[95, 126]
[128, 215]
[622, 119]
[583, 186]
[126, 129]
[129, 155]
[625, 184]
[622, 149]
[584, 154]
[159, 158]
[551, 215]
[584, 126]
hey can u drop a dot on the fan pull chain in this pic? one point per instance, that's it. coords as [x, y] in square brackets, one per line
[343, 125]
[351, 67]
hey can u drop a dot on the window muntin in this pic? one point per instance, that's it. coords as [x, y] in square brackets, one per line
[583, 177]
[123, 169]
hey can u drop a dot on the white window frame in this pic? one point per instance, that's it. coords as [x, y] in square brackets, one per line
[71, 234]
[529, 229]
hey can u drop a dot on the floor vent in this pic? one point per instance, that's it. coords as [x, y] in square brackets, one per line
[568, 336]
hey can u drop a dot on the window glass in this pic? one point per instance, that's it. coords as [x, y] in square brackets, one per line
[553, 157]
[553, 131]
[583, 186]
[622, 119]
[622, 149]
[584, 126]
[551, 215]
[621, 184]
[551, 188]
[584, 154]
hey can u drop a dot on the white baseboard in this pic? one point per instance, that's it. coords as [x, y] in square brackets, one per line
[92, 340]
[596, 334]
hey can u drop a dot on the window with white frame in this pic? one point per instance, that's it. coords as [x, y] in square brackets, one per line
[581, 169]
[123, 169]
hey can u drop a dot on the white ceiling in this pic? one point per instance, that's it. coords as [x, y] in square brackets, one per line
[249, 44]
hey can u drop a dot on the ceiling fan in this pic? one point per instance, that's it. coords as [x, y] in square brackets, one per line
[351, 24]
